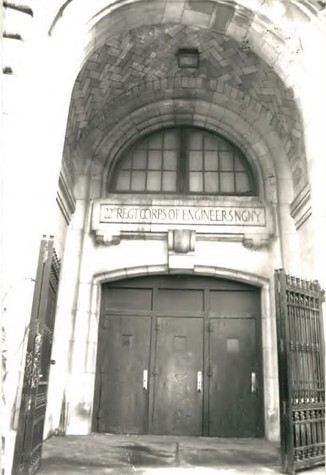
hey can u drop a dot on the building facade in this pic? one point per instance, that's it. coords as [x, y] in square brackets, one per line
[175, 151]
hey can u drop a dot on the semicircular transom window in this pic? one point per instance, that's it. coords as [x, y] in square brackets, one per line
[186, 161]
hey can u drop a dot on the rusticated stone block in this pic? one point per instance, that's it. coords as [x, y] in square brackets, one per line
[223, 16]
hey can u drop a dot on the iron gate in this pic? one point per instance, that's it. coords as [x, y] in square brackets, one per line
[29, 439]
[301, 371]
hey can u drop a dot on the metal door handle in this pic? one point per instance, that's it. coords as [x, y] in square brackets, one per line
[145, 379]
[199, 381]
[253, 383]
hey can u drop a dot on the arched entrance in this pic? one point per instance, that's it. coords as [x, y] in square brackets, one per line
[179, 355]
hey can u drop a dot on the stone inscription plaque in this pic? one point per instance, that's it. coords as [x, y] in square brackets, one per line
[196, 215]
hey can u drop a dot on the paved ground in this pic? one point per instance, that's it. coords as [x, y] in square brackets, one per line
[105, 454]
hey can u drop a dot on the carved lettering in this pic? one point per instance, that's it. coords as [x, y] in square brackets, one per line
[119, 213]
[107, 212]
[196, 215]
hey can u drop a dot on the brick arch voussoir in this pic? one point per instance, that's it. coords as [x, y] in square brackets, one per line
[261, 150]
[200, 95]
[115, 18]
[206, 14]
[152, 92]
[118, 17]
[277, 103]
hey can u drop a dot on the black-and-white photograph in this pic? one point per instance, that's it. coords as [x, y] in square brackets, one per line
[163, 237]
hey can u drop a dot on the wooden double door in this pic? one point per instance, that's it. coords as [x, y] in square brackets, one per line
[179, 355]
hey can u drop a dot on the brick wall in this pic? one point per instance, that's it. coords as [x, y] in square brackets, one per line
[140, 67]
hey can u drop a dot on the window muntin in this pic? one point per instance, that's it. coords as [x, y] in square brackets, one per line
[151, 165]
[184, 160]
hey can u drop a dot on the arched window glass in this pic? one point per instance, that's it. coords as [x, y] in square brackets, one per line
[183, 160]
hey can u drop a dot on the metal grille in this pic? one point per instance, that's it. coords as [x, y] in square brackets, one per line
[301, 371]
[29, 439]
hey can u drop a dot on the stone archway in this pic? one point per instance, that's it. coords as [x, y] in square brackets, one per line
[267, 319]
[104, 26]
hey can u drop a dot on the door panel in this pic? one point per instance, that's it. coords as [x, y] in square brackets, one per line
[127, 299]
[233, 402]
[176, 300]
[125, 347]
[178, 358]
[234, 304]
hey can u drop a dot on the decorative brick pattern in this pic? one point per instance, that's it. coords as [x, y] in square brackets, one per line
[117, 77]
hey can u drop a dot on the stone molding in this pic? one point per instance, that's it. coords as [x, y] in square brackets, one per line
[181, 241]
[181, 248]
[65, 196]
[249, 241]
[107, 239]
[256, 242]
[144, 270]
[300, 207]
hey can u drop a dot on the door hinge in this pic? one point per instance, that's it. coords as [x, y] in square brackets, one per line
[157, 327]
[210, 327]
[209, 372]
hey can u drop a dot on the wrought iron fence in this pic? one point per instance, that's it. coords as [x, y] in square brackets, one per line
[301, 371]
